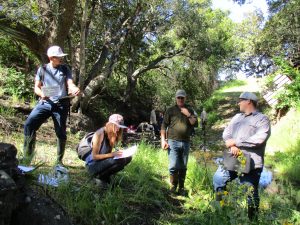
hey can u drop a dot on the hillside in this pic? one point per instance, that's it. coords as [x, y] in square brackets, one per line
[140, 192]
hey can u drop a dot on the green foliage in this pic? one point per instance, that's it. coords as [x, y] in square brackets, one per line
[202, 208]
[280, 34]
[284, 146]
[218, 97]
[231, 84]
[160, 30]
[15, 83]
[212, 118]
[13, 54]
[86, 200]
[7, 112]
[290, 95]
[137, 189]
[141, 188]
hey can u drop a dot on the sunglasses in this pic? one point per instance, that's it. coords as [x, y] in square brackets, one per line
[180, 97]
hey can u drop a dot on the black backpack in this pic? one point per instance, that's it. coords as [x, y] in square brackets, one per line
[84, 148]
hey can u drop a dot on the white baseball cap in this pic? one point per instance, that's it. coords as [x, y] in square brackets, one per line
[55, 51]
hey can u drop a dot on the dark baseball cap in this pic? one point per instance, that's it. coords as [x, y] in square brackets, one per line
[180, 93]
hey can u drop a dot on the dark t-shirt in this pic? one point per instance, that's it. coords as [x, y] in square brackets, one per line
[179, 126]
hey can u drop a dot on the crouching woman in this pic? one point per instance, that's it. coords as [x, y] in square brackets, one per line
[101, 163]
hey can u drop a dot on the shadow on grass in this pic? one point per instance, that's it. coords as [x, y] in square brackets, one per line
[139, 194]
[289, 163]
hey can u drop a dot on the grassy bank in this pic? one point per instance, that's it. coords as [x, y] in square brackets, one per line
[139, 194]
[283, 148]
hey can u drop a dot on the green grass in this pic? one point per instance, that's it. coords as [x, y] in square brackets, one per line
[228, 92]
[283, 147]
[140, 194]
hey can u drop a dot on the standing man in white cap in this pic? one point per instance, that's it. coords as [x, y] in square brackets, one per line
[179, 121]
[248, 132]
[53, 83]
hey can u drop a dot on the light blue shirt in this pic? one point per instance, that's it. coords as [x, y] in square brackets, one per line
[250, 133]
[55, 77]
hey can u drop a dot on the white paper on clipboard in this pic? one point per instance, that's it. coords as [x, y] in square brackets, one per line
[127, 152]
[51, 91]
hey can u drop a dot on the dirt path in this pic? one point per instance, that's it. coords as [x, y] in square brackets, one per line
[225, 109]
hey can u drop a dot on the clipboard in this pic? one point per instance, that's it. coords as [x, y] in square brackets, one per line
[51, 91]
[233, 164]
[67, 97]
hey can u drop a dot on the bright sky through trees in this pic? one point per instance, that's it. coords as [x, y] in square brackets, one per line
[238, 12]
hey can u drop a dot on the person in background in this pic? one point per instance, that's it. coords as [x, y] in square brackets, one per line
[203, 117]
[153, 121]
[193, 133]
[248, 133]
[58, 77]
[100, 163]
[179, 121]
[160, 119]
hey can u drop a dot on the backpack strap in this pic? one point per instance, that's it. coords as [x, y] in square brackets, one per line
[43, 71]
[64, 69]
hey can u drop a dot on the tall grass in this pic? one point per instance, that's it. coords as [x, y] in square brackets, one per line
[211, 105]
[140, 196]
[284, 146]
[139, 189]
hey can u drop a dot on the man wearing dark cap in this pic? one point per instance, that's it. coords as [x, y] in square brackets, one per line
[247, 131]
[178, 121]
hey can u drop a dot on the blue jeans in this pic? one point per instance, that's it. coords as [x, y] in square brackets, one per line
[42, 111]
[107, 167]
[178, 153]
[222, 177]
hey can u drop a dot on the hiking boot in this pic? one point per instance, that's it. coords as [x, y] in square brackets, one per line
[181, 192]
[101, 183]
[61, 146]
[174, 183]
[28, 149]
[253, 213]
[181, 178]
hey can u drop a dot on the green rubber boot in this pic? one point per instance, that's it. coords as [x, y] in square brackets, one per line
[28, 149]
[61, 146]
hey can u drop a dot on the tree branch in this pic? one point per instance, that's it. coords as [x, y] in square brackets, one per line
[22, 34]
[153, 64]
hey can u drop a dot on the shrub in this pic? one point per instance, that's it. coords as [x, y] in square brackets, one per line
[288, 97]
[15, 83]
